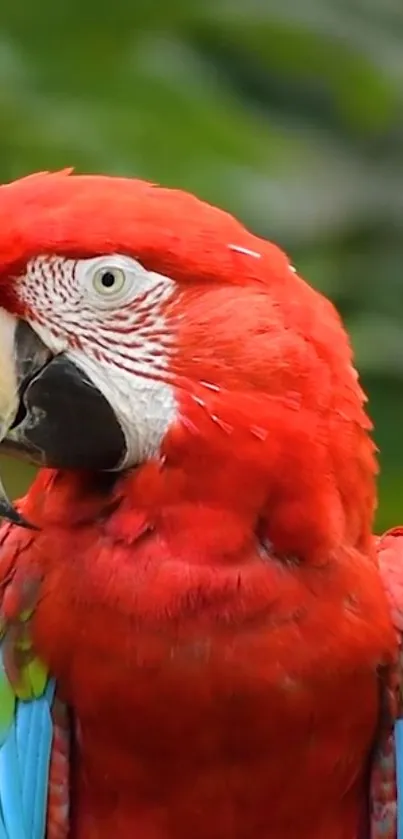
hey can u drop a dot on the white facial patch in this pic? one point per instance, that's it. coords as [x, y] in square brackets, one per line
[107, 315]
[144, 406]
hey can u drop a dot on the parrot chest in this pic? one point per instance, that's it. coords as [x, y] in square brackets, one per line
[249, 715]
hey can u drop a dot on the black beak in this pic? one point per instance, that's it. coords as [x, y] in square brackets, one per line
[63, 421]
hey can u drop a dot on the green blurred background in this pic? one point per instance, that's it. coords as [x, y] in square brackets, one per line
[287, 113]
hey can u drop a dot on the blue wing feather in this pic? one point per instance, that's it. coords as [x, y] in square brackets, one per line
[10, 787]
[25, 751]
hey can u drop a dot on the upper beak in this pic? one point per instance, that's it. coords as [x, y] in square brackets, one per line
[50, 412]
[23, 355]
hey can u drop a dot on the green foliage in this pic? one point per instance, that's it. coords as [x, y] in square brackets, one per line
[289, 114]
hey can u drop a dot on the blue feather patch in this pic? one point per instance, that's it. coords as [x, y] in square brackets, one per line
[26, 731]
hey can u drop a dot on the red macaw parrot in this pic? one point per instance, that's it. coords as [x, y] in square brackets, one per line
[194, 565]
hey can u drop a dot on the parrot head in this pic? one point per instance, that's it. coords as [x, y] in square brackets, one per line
[139, 324]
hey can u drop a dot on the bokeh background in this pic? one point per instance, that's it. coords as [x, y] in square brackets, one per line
[287, 113]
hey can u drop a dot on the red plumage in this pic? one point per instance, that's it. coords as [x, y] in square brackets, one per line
[215, 617]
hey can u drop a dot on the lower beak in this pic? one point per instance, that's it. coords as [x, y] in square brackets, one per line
[51, 414]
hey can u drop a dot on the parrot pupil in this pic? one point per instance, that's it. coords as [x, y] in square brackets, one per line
[108, 279]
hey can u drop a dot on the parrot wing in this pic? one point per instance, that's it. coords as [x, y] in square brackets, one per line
[34, 741]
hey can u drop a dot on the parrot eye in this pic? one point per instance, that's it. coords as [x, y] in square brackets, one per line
[109, 281]
[116, 280]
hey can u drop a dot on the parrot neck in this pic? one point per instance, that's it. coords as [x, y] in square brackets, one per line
[236, 468]
[261, 458]
[223, 505]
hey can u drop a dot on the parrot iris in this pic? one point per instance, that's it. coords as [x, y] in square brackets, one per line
[190, 589]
